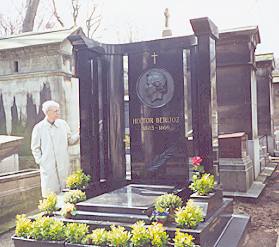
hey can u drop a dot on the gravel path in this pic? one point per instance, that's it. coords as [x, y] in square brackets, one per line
[5, 239]
[264, 228]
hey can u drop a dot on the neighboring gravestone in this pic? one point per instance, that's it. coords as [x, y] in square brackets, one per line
[9, 148]
[275, 109]
[237, 87]
[265, 65]
[236, 168]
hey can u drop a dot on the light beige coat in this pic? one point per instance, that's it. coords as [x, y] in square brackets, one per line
[49, 145]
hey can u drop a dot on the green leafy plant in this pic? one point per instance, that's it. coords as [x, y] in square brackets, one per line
[203, 185]
[118, 236]
[168, 202]
[140, 235]
[183, 239]
[48, 205]
[23, 226]
[74, 196]
[158, 235]
[76, 233]
[46, 228]
[98, 237]
[189, 216]
[78, 180]
[68, 210]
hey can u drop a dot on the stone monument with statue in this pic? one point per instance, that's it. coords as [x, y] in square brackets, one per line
[166, 79]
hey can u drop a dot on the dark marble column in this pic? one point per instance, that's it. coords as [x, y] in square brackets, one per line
[207, 34]
[115, 112]
[89, 112]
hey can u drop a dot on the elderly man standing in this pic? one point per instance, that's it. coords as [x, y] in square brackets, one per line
[49, 145]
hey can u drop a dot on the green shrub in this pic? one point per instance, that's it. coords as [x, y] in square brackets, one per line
[23, 226]
[74, 196]
[45, 228]
[168, 202]
[118, 236]
[189, 216]
[140, 235]
[48, 205]
[204, 185]
[98, 237]
[183, 239]
[158, 235]
[78, 180]
[76, 233]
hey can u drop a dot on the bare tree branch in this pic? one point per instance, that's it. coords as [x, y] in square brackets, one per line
[31, 11]
[93, 21]
[9, 26]
[76, 7]
[56, 14]
[49, 16]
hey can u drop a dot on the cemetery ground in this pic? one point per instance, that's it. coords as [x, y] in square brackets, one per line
[264, 228]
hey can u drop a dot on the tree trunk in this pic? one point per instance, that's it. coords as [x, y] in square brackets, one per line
[31, 11]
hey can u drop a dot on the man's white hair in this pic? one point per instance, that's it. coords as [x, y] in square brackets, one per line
[48, 104]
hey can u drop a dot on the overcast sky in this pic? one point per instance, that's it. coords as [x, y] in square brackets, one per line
[146, 19]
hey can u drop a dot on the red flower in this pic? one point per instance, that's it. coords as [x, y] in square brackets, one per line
[196, 160]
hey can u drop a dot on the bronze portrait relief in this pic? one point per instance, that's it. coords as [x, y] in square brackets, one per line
[155, 88]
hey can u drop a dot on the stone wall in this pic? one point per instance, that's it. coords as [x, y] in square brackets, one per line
[19, 193]
[28, 77]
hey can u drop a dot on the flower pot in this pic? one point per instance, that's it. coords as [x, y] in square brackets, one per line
[68, 215]
[209, 203]
[79, 245]
[24, 242]
[162, 219]
[171, 217]
[85, 245]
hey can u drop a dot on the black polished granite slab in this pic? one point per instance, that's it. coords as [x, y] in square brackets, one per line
[209, 203]
[134, 198]
[207, 234]
[156, 113]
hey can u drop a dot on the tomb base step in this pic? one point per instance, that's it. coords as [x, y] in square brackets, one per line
[234, 233]
[252, 193]
[111, 209]
[208, 233]
[136, 199]
[111, 217]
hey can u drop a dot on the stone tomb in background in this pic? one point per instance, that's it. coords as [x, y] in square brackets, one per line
[9, 147]
[236, 167]
[265, 65]
[237, 87]
[20, 191]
